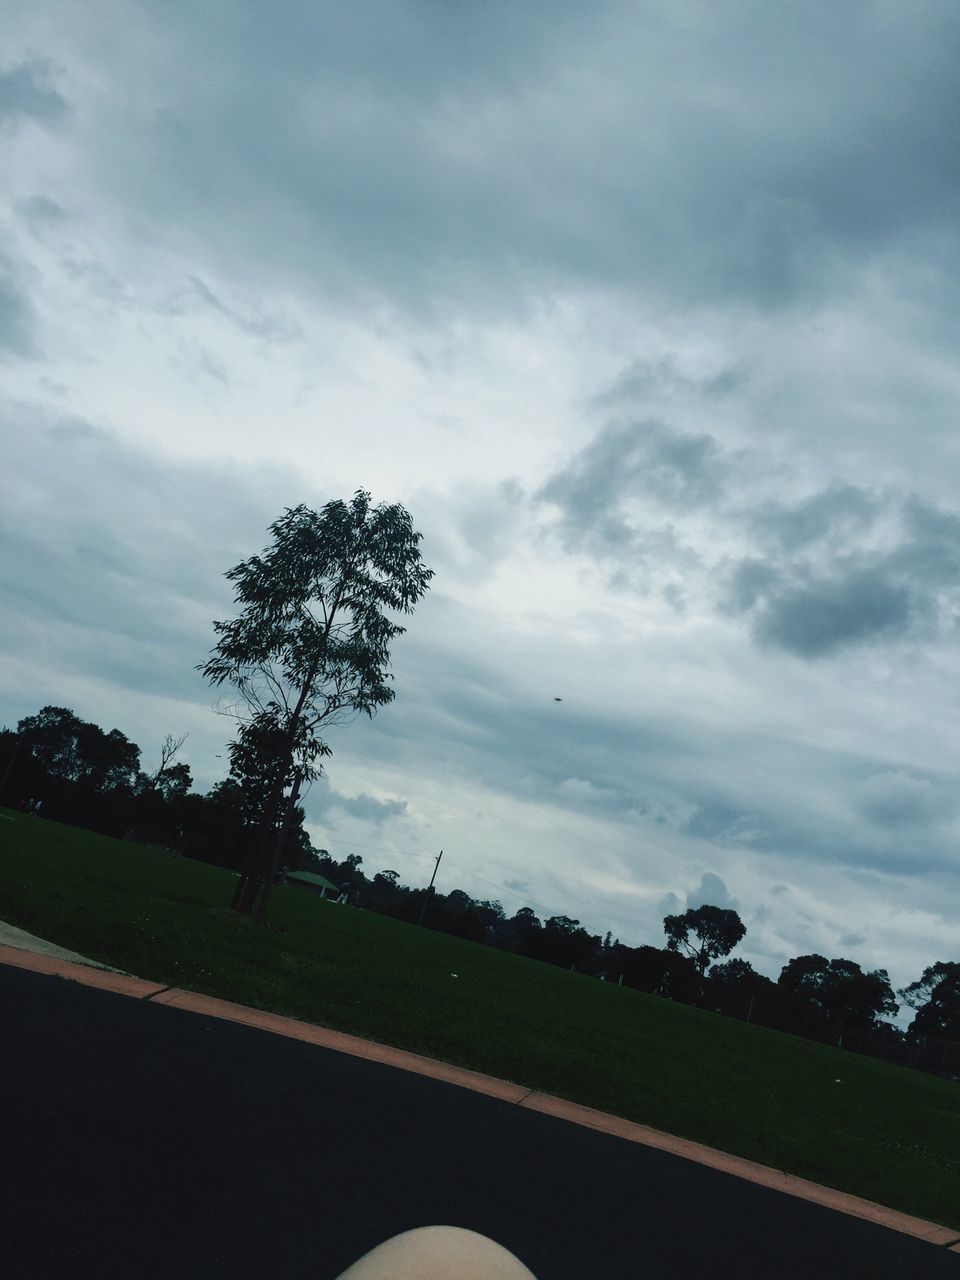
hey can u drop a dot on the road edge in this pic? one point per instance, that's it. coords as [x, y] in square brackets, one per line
[532, 1099]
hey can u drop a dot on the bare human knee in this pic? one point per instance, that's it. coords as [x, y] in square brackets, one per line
[438, 1253]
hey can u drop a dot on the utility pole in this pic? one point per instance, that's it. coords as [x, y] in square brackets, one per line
[426, 897]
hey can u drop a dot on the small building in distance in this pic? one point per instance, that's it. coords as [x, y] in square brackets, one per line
[313, 883]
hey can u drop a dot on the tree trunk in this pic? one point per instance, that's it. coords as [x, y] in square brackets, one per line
[267, 883]
[259, 856]
[246, 870]
[246, 892]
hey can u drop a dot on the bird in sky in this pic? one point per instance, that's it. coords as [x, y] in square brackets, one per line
[558, 699]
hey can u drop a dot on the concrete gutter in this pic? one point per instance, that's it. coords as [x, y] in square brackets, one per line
[11, 936]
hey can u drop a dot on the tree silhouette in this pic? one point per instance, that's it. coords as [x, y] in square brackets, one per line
[72, 750]
[936, 998]
[716, 930]
[309, 649]
[846, 997]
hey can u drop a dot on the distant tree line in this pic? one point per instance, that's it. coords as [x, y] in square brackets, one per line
[73, 771]
[67, 769]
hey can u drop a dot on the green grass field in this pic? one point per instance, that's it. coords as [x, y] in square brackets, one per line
[850, 1122]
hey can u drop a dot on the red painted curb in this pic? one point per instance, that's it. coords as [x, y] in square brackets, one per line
[739, 1167]
[121, 983]
[357, 1047]
[506, 1091]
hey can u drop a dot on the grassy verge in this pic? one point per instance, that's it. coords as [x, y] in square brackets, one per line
[850, 1122]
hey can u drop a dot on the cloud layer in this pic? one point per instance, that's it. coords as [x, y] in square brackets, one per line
[647, 315]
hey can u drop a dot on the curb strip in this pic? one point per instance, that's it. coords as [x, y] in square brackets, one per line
[546, 1104]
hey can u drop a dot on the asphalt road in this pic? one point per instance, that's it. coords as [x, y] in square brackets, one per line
[140, 1140]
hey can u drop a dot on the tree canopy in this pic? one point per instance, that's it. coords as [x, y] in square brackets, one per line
[736, 988]
[716, 931]
[936, 998]
[839, 990]
[74, 750]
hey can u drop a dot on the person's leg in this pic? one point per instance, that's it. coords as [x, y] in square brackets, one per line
[438, 1253]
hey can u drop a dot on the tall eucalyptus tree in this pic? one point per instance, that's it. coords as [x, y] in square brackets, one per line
[309, 648]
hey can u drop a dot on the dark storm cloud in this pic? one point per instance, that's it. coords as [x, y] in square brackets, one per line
[328, 147]
[930, 551]
[852, 939]
[368, 809]
[748, 584]
[17, 318]
[113, 563]
[908, 799]
[323, 799]
[831, 579]
[821, 617]
[27, 93]
[644, 378]
[429, 155]
[840, 512]
[836, 568]
[722, 819]
[519, 886]
[40, 212]
[626, 462]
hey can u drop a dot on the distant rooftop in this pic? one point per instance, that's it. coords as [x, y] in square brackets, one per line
[310, 877]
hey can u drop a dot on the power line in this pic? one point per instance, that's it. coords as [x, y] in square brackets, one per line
[374, 848]
[501, 890]
[521, 897]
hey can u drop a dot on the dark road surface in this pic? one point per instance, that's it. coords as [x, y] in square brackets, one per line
[140, 1140]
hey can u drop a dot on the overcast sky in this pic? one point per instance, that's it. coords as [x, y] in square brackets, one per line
[648, 314]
